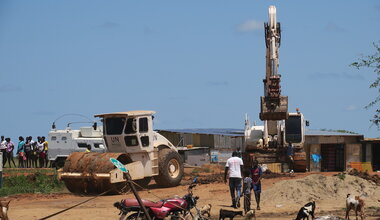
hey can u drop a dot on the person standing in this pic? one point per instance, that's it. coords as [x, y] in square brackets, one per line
[41, 152]
[256, 173]
[21, 152]
[290, 153]
[10, 148]
[34, 151]
[247, 188]
[234, 167]
[88, 149]
[46, 149]
[3, 148]
[28, 151]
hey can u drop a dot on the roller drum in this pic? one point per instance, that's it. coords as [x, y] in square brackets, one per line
[89, 164]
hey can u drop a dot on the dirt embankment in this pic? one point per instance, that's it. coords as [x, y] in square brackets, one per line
[320, 189]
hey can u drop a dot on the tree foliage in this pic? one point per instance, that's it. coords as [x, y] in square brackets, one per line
[372, 62]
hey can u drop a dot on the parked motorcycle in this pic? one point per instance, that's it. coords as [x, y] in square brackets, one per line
[174, 208]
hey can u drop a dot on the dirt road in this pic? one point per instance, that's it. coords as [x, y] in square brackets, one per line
[36, 206]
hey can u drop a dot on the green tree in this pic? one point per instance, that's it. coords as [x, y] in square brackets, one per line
[372, 62]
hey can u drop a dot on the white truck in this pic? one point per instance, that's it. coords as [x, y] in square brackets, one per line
[66, 141]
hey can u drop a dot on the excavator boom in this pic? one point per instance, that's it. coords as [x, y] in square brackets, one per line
[274, 106]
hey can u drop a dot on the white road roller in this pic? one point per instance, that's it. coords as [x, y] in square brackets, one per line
[130, 138]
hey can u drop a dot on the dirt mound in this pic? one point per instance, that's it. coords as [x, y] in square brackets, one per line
[364, 175]
[269, 175]
[317, 188]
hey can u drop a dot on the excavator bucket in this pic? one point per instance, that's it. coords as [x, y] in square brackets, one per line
[93, 173]
[274, 109]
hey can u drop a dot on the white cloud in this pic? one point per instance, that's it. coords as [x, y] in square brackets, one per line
[250, 26]
[332, 27]
[351, 108]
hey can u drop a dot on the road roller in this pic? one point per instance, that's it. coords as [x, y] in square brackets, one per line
[130, 138]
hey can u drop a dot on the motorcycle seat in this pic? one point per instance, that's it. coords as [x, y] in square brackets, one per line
[147, 203]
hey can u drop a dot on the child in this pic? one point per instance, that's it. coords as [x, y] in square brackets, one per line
[256, 173]
[247, 187]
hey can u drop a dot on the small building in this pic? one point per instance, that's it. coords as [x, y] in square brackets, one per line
[371, 152]
[335, 150]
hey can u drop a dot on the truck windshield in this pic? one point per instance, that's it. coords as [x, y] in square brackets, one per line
[293, 129]
[114, 125]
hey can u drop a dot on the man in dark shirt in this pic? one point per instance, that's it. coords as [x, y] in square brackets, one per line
[290, 153]
[256, 173]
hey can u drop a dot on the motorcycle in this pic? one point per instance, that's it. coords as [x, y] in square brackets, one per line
[176, 208]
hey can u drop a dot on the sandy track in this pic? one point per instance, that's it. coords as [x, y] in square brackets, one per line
[34, 206]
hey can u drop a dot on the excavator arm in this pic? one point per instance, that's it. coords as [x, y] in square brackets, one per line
[274, 106]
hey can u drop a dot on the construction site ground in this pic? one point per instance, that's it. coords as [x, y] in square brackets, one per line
[283, 195]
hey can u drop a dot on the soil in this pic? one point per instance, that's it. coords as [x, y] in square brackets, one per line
[282, 197]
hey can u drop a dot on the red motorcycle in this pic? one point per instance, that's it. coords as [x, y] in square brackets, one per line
[175, 208]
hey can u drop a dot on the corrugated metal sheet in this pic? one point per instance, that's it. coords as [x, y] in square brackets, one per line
[187, 139]
[228, 142]
[240, 132]
[211, 131]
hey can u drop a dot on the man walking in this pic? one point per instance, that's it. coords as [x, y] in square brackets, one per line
[234, 167]
[290, 153]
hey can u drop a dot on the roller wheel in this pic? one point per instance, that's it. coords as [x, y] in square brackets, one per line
[143, 183]
[170, 168]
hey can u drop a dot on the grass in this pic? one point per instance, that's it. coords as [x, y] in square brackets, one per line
[201, 170]
[36, 182]
[341, 176]
[376, 208]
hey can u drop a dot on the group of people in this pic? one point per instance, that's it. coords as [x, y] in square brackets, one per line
[30, 153]
[252, 181]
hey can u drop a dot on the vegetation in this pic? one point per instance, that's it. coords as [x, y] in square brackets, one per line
[372, 62]
[375, 208]
[201, 170]
[339, 131]
[33, 183]
[341, 176]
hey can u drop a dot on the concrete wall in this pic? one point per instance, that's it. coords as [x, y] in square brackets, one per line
[352, 153]
[314, 149]
[368, 156]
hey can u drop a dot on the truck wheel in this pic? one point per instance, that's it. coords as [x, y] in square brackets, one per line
[59, 163]
[170, 168]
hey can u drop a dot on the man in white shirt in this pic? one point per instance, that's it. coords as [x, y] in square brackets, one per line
[3, 148]
[234, 169]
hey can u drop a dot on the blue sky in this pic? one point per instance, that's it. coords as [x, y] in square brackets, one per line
[198, 64]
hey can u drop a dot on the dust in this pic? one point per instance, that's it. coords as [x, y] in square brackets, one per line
[320, 188]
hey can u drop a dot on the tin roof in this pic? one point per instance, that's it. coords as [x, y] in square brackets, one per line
[240, 132]
[372, 140]
[128, 113]
[311, 132]
[211, 131]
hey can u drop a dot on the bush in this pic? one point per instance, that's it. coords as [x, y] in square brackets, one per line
[34, 183]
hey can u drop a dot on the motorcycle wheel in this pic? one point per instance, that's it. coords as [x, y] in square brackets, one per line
[135, 216]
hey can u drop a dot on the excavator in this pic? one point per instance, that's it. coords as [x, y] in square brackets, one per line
[268, 143]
